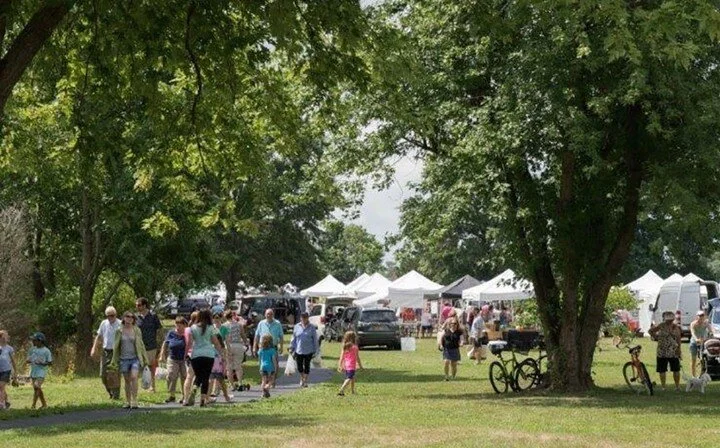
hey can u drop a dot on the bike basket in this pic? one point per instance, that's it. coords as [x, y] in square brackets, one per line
[497, 346]
[522, 341]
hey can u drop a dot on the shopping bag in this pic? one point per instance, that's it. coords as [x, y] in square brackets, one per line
[407, 344]
[317, 360]
[290, 366]
[161, 373]
[146, 378]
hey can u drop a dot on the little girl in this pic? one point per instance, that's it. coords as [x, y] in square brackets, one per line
[8, 369]
[267, 356]
[217, 374]
[349, 361]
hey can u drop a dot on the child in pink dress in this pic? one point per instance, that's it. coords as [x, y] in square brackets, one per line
[349, 361]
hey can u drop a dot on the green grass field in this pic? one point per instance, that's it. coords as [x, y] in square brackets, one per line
[403, 402]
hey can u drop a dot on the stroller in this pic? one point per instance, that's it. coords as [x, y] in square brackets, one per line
[710, 361]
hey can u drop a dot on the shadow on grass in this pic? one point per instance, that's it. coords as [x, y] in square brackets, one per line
[180, 422]
[663, 402]
[379, 376]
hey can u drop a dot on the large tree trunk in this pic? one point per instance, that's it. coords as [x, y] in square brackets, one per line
[231, 281]
[92, 263]
[572, 292]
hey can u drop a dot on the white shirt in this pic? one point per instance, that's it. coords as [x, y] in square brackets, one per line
[107, 331]
[478, 326]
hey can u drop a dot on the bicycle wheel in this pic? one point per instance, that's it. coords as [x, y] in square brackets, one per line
[646, 379]
[526, 374]
[634, 380]
[498, 377]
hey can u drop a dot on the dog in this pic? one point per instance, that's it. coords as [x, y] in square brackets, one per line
[697, 383]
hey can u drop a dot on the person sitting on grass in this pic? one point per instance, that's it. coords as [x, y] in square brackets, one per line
[267, 357]
[349, 361]
[39, 358]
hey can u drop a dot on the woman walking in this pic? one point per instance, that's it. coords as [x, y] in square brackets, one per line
[190, 374]
[450, 346]
[204, 344]
[303, 346]
[130, 356]
[237, 343]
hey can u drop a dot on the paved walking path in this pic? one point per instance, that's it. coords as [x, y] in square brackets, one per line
[285, 385]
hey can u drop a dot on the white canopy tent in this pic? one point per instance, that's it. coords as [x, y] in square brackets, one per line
[372, 300]
[329, 286]
[352, 287]
[377, 283]
[504, 287]
[409, 290]
[645, 289]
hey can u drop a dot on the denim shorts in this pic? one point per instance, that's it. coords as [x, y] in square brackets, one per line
[267, 372]
[693, 347]
[349, 374]
[128, 365]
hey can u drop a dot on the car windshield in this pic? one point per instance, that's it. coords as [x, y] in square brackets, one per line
[378, 316]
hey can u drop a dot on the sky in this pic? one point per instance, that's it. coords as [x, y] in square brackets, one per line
[380, 214]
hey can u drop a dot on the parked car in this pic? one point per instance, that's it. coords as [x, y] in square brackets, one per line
[329, 313]
[185, 307]
[287, 309]
[374, 326]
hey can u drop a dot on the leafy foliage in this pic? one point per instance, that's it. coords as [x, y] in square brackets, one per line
[348, 250]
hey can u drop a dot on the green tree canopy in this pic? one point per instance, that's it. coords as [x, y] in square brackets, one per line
[568, 120]
[348, 250]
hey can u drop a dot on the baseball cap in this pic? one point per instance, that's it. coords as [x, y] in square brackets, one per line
[37, 336]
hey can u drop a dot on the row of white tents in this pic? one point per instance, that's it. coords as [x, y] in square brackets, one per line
[412, 289]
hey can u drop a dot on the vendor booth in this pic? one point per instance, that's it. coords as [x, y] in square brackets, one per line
[505, 287]
[329, 286]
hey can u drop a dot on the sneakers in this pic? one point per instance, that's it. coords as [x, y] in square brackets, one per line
[266, 393]
[341, 394]
[170, 400]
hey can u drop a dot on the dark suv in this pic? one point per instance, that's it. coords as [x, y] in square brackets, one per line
[374, 326]
[185, 307]
[287, 309]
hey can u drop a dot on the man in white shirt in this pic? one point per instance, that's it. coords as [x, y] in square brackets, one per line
[106, 338]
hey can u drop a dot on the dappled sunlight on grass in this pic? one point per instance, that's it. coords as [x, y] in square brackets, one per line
[402, 401]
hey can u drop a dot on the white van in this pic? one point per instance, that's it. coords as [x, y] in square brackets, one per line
[687, 295]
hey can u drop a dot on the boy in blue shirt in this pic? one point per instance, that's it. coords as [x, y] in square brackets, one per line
[39, 358]
[268, 363]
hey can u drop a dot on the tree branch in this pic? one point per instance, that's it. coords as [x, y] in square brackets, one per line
[27, 44]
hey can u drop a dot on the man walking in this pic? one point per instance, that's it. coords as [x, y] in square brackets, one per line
[149, 324]
[273, 328]
[105, 338]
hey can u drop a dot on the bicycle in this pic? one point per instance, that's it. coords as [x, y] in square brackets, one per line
[531, 372]
[500, 378]
[636, 374]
